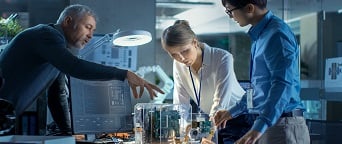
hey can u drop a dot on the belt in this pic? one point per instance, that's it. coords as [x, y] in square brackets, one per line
[294, 113]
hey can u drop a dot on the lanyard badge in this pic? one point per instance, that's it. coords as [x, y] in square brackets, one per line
[249, 93]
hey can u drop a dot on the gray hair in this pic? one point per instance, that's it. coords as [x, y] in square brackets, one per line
[76, 11]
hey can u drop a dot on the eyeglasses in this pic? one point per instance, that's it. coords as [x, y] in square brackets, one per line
[229, 12]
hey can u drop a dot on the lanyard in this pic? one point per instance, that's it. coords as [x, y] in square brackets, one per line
[198, 96]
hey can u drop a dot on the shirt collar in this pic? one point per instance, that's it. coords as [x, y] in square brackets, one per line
[58, 27]
[256, 30]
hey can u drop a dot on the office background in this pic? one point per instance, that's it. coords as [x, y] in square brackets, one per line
[316, 23]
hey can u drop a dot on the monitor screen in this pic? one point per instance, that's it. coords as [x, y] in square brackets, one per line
[103, 106]
[101, 50]
[100, 106]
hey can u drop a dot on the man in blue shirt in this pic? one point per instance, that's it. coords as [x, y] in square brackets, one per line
[274, 75]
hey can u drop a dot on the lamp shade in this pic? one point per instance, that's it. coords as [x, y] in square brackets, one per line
[131, 38]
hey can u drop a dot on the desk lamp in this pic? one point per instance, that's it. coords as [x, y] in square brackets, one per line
[121, 38]
[131, 38]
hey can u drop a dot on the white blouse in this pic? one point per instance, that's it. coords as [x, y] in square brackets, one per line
[220, 88]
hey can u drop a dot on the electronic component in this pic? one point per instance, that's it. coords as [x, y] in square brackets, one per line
[201, 127]
[166, 123]
[156, 123]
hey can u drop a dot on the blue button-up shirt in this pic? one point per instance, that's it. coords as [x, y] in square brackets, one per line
[275, 73]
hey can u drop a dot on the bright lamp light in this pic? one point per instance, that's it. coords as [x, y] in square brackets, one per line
[131, 38]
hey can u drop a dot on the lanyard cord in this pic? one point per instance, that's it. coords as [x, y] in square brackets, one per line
[198, 96]
[251, 61]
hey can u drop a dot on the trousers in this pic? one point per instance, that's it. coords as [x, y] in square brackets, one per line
[288, 130]
[236, 128]
[58, 103]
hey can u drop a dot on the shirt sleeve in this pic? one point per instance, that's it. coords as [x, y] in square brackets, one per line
[180, 95]
[280, 55]
[52, 48]
[226, 83]
[239, 107]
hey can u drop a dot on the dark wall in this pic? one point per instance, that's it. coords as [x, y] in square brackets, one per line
[45, 11]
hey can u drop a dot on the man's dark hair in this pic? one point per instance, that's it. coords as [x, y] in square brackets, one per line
[242, 3]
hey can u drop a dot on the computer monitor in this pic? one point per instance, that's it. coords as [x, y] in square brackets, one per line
[103, 106]
[100, 106]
